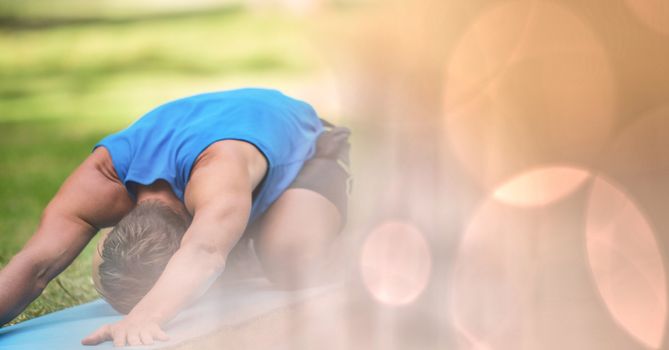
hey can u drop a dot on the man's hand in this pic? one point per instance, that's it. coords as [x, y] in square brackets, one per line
[130, 330]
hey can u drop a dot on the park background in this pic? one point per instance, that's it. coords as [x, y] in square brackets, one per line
[510, 156]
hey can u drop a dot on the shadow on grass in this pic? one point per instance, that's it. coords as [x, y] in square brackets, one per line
[20, 83]
[19, 23]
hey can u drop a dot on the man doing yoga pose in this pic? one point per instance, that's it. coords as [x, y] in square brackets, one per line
[182, 186]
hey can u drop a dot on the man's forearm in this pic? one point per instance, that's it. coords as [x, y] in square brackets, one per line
[19, 286]
[188, 275]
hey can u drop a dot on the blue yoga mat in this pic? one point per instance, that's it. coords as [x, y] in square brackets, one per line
[224, 305]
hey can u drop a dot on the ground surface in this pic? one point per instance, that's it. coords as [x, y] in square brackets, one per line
[72, 73]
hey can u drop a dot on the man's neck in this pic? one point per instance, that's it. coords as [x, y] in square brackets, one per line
[162, 192]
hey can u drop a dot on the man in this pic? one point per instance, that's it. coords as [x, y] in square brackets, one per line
[181, 185]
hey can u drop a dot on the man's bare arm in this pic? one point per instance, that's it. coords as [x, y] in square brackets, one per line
[89, 199]
[219, 195]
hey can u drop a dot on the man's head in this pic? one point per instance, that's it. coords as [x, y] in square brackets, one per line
[135, 252]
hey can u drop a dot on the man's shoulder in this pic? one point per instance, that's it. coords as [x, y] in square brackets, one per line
[223, 152]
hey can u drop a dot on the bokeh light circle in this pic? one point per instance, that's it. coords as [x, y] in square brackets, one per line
[395, 263]
[626, 263]
[528, 83]
[625, 216]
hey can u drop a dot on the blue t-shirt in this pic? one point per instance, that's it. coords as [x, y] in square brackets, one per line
[164, 143]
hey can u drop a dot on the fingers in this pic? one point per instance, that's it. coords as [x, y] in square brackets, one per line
[122, 336]
[101, 335]
[133, 337]
[146, 337]
[119, 337]
[158, 333]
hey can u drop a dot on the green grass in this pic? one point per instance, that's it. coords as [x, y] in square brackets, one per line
[65, 82]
